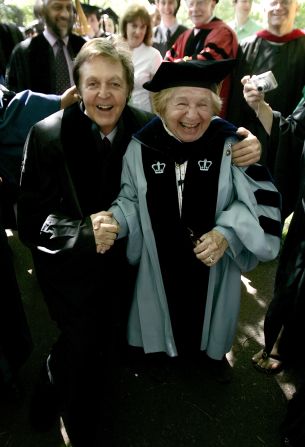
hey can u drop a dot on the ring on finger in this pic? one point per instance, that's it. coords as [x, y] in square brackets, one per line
[211, 259]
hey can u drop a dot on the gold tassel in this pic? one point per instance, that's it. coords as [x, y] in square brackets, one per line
[81, 26]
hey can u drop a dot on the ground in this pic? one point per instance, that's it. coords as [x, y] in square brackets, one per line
[166, 404]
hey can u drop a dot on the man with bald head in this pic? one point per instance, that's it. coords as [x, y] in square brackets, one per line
[36, 64]
[210, 38]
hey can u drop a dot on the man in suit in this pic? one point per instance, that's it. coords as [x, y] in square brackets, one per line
[33, 62]
[167, 32]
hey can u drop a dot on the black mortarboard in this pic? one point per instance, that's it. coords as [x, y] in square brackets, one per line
[111, 14]
[91, 9]
[192, 73]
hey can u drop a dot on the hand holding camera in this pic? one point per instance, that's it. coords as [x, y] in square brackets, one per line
[254, 91]
[264, 82]
[256, 86]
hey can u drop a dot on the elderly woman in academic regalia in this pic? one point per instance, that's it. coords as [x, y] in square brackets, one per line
[193, 219]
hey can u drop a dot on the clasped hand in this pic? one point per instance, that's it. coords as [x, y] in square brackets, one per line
[211, 247]
[105, 229]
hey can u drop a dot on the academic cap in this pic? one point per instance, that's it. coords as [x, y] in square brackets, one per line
[111, 14]
[90, 9]
[192, 73]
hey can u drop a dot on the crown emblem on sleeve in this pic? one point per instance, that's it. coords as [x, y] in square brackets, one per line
[204, 165]
[158, 167]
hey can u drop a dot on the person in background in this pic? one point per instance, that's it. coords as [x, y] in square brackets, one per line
[37, 25]
[155, 15]
[271, 49]
[167, 32]
[283, 325]
[210, 38]
[135, 28]
[10, 36]
[93, 15]
[18, 112]
[284, 319]
[109, 22]
[223, 219]
[243, 24]
[44, 63]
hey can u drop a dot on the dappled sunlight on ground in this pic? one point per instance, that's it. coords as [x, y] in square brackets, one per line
[251, 290]
[165, 403]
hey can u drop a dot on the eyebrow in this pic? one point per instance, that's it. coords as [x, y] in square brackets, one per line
[184, 98]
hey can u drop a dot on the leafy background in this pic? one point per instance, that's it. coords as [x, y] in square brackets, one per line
[21, 11]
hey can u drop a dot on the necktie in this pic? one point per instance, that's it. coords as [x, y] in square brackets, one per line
[61, 68]
[106, 147]
[168, 34]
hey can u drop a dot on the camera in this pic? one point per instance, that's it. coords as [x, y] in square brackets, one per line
[264, 82]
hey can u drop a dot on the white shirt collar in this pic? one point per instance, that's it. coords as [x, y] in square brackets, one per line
[52, 39]
[165, 28]
[196, 30]
[111, 135]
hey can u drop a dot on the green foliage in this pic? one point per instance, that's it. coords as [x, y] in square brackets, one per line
[11, 14]
[225, 11]
[23, 13]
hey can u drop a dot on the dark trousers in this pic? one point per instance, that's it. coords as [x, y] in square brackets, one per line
[15, 337]
[85, 362]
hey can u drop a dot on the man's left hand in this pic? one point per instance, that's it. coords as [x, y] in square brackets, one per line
[247, 151]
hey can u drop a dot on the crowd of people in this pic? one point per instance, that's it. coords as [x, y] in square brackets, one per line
[123, 124]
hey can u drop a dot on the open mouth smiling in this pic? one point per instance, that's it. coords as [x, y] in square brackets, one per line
[104, 107]
[189, 126]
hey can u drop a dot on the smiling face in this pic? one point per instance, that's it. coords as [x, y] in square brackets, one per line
[243, 7]
[135, 32]
[94, 24]
[59, 16]
[281, 15]
[188, 112]
[200, 11]
[103, 88]
[167, 7]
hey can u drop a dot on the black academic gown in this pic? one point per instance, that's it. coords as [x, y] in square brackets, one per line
[185, 278]
[66, 177]
[32, 64]
[287, 62]
[288, 305]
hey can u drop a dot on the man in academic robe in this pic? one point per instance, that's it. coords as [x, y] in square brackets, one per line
[211, 38]
[281, 49]
[32, 64]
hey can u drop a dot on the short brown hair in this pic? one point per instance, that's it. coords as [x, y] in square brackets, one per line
[113, 48]
[132, 13]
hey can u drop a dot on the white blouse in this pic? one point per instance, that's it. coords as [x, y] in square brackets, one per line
[146, 61]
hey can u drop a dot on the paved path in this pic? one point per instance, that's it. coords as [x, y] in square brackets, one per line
[170, 406]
